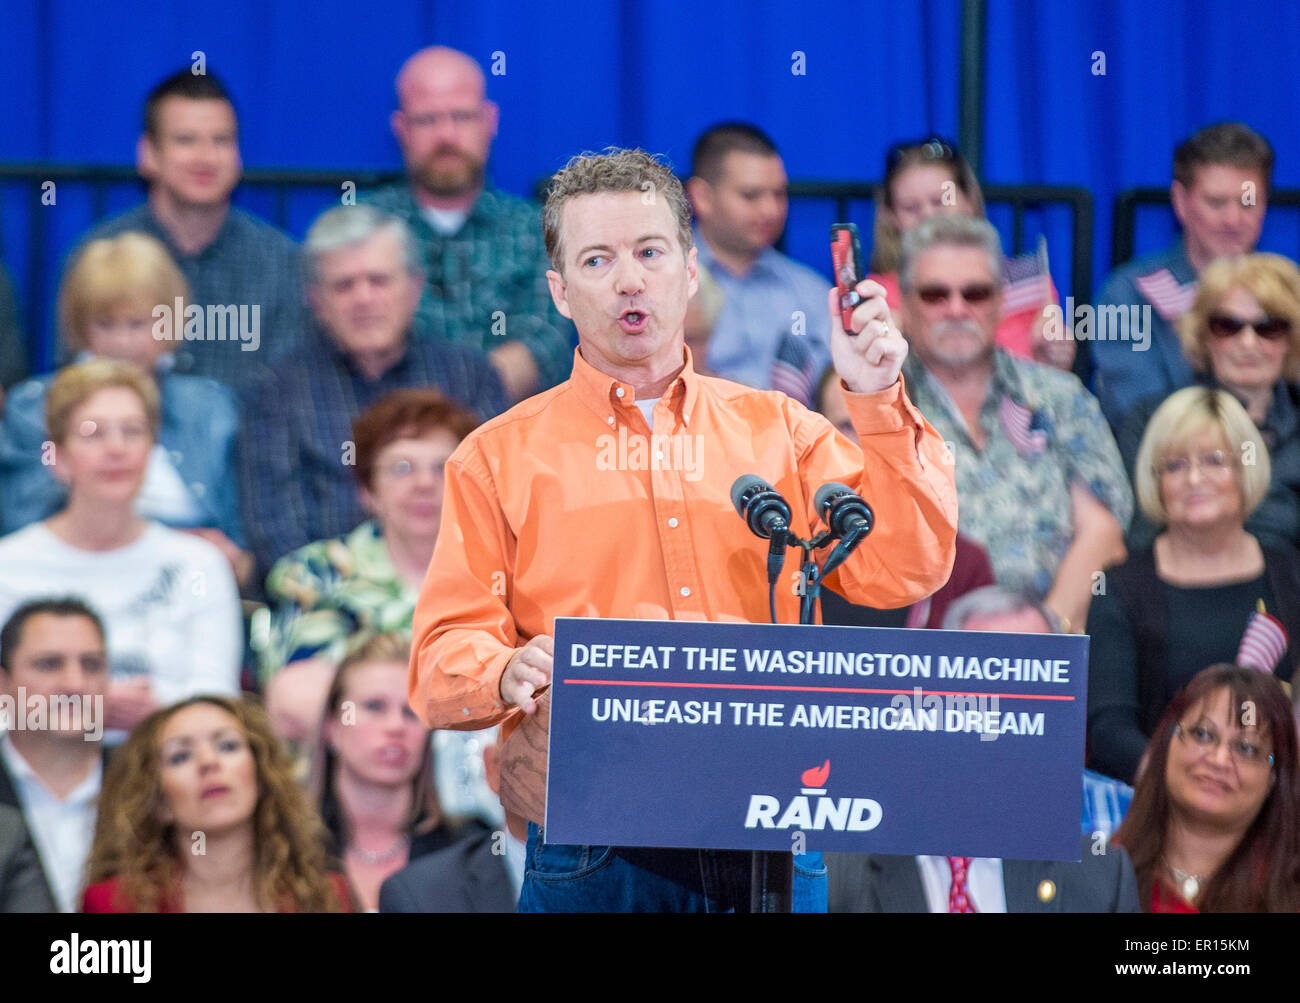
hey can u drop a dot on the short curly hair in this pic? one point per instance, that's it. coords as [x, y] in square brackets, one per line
[614, 170]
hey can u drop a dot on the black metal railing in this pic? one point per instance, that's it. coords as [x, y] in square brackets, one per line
[1128, 204]
[273, 191]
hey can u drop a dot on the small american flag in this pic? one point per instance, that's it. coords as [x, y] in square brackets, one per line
[1027, 281]
[793, 371]
[1017, 421]
[1170, 299]
[1264, 642]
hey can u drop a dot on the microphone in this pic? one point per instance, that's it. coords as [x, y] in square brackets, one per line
[843, 510]
[759, 504]
[768, 517]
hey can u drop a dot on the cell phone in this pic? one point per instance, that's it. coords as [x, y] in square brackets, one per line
[846, 259]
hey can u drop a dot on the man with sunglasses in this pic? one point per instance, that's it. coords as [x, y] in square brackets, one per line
[1222, 176]
[1040, 483]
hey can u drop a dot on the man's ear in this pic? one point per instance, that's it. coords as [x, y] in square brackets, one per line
[493, 112]
[692, 272]
[397, 122]
[1178, 195]
[558, 292]
[700, 192]
[146, 159]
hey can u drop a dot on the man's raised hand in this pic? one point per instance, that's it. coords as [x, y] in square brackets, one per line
[870, 360]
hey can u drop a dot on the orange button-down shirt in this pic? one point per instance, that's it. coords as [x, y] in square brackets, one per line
[570, 505]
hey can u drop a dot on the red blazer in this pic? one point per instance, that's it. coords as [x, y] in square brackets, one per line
[106, 896]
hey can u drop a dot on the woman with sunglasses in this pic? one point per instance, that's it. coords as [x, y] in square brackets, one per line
[1243, 335]
[1192, 597]
[1213, 824]
[925, 178]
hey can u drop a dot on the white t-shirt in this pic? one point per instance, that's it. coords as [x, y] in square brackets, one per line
[169, 603]
[445, 221]
[165, 496]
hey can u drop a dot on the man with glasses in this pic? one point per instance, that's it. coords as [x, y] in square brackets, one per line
[297, 455]
[482, 249]
[1040, 483]
[1220, 191]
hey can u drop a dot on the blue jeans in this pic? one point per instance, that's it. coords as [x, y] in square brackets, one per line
[562, 878]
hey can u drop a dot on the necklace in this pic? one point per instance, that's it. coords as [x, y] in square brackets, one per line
[374, 857]
[1189, 884]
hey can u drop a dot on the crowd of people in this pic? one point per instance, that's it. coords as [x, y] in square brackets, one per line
[221, 508]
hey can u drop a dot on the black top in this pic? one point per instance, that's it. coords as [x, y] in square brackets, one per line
[1149, 638]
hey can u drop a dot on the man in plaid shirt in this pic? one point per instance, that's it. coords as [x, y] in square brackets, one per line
[296, 451]
[482, 249]
[189, 154]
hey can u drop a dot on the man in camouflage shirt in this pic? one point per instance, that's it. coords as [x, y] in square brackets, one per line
[1040, 482]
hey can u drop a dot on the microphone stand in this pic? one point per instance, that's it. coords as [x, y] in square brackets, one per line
[772, 874]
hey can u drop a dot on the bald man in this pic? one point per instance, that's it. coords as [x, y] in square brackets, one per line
[482, 248]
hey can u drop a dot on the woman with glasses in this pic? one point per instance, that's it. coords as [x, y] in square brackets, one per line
[107, 308]
[168, 599]
[1243, 335]
[323, 595]
[1191, 597]
[928, 177]
[1213, 825]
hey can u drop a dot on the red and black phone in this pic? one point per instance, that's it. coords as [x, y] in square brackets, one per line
[846, 259]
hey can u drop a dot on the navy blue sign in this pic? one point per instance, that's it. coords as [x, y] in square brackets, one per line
[855, 739]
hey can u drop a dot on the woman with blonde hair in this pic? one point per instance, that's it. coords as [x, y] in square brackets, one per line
[208, 771]
[1192, 597]
[111, 304]
[1242, 335]
[168, 599]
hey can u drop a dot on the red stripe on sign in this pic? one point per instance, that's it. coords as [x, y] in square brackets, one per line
[807, 689]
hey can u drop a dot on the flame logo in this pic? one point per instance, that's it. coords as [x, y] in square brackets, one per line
[816, 777]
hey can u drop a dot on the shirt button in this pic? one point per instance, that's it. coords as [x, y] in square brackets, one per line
[610, 419]
[619, 392]
[659, 455]
[176, 457]
[465, 711]
[672, 523]
[685, 591]
[199, 489]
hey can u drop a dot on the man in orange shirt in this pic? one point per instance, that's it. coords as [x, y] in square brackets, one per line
[608, 496]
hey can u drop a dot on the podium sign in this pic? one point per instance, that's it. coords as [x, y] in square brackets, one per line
[852, 739]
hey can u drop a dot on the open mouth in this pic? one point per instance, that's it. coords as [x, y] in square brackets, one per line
[633, 321]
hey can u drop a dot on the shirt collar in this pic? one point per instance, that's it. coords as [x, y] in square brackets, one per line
[767, 260]
[343, 359]
[599, 391]
[24, 775]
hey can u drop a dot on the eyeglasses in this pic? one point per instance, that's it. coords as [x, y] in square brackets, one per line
[929, 148]
[1243, 750]
[401, 469]
[97, 431]
[934, 295]
[459, 117]
[1270, 328]
[1213, 464]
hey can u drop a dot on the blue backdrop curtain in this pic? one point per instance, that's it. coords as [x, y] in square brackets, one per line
[834, 83]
